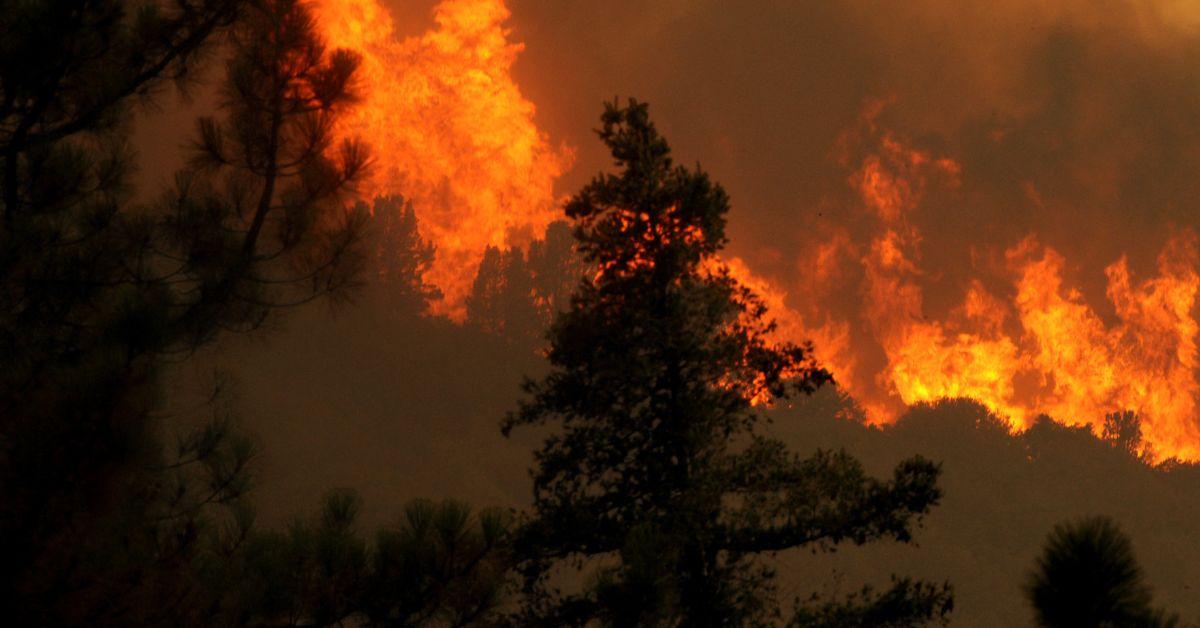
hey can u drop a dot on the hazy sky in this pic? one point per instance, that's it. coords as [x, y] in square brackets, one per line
[1055, 113]
[1093, 106]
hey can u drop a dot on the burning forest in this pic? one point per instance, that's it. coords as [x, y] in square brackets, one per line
[453, 133]
[916, 283]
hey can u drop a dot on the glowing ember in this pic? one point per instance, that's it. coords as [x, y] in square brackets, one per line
[450, 130]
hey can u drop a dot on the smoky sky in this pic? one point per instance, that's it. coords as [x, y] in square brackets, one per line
[1077, 123]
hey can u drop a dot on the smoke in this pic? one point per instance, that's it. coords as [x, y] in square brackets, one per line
[899, 170]
[895, 168]
[450, 130]
[948, 199]
[1076, 122]
[1093, 108]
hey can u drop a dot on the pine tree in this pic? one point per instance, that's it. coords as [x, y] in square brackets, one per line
[658, 470]
[100, 521]
[400, 255]
[439, 564]
[1123, 430]
[1087, 575]
[502, 296]
[517, 294]
[259, 218]
[556, 270]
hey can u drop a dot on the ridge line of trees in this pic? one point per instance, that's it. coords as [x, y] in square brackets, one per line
[660, 498]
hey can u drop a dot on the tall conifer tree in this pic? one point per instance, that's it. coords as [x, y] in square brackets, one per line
[400, 256]
[99, 521]
[657, 457]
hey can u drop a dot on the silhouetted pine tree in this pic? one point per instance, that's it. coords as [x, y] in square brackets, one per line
[1087, 576]
[99, 522]
[556, 269]
[1123, 430]
[399, 255]
[658, 469]
[517, 294]
[260, 219]
[502, 296]
[440, 564]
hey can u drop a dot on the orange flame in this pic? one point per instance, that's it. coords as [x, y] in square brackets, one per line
[449, 130]
[831, 340]
[1044, 350]
[452, 132]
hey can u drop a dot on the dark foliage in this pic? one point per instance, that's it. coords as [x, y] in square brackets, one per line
[99, 522]
[658, 472]
[1124, 431]
[438, 565]
[517, 294]
[258, 221]
[903, 604]
[1087, 576]
[398, 255]
[501, 299]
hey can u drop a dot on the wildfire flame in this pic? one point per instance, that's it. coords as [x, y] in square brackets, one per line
[449, 130]
[1037, 347]
[452, 132]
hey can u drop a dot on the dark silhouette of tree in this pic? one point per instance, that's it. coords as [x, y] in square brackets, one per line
[259, 219]
[439, 565]
[310, 574]
[1123, 430]
[70, 71]
[556, 269]
[399, 256]
[99, 522]
[502, 296]
[906, 603]
[659, 473]
[486, 289]
[1087, 576]
[517, 294]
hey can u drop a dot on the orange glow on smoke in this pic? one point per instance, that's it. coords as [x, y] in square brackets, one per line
[831, 341]
[1039, 349]
[450, 130]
